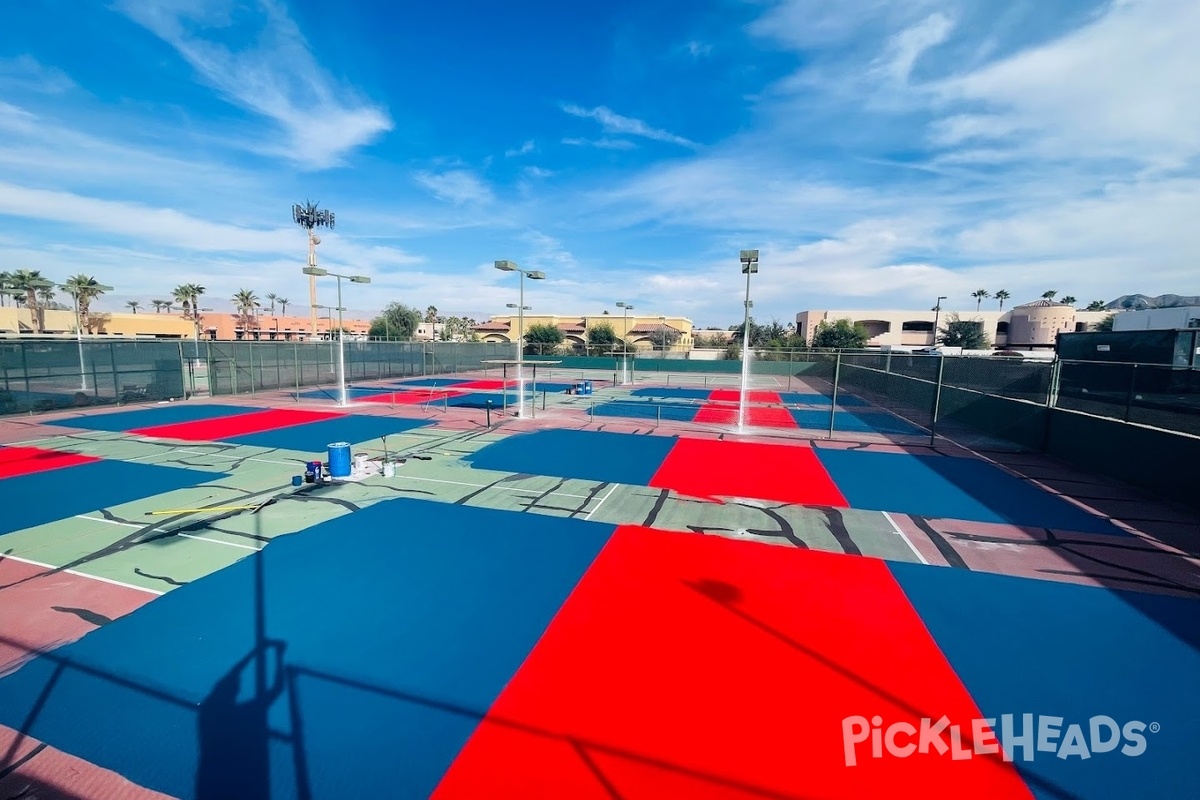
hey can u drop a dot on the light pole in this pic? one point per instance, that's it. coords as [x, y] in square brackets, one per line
[329, 316]
[625, 342]
[74, 292]
[533, 275]
[937, 310]
[662, 334]
[749, 261]
[308, 216]
[314, 273]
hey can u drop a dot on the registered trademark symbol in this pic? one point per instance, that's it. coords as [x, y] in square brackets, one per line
[1155, 727]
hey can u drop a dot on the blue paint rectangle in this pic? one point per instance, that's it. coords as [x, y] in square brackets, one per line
[313, 437]
[167, 414]
[589, 455]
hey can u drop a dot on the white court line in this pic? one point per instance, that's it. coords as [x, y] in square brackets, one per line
[602, 499]
[160, 530]
[190, 451]
[907, 541]
[33, 563]
[485, 486]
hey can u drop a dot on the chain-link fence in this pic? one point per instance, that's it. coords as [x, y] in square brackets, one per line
[53, 374]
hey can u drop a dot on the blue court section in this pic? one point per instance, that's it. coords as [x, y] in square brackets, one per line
[590, 455]
[61, 494]
[168, 414]
[952, 488]
[676, 412]
[817, 399]
[856, 421]
[552, 386]
[437, 382]
[386, 635]
[352, 392]
[1050, 649]
[313, 437]
[480, 400]
[682, 392]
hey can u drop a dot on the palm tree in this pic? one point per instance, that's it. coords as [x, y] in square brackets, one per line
[132, 305]
[85, 289]
[245, 301]
[283, 304]
[272, 297]
[431, 314]
[29, 281]
[182, 295]
[5, 285]
[1002, 295]
[45, 296]
[168, 305]
[1050, 294]
[980, 295]
[158, 305]
[1068, 300]
[1095, 305]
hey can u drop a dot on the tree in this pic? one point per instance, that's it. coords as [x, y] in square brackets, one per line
[540, 338]
[245, 301]
[85, 289]
[132, 305]
[840, 335]
[1106, 324]
[603, 336]
[964, 333]
[46, 297]
[283, 304]
[159, 305]
[739, 333]
[1068, 300]
[1050, 294]
[431, 314]
[5, 286]
[272, 297]
[980, 295]
[396, 322]
[663, 336]
[1096, 305]
[29, 281]
[1002, 295]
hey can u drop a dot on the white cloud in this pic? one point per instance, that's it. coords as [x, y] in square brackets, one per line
[524, 149]
[614, 123]
[276, 77]
[698, 50]
[26, 73]
[603, 144]
[456, 186]
[906, 47]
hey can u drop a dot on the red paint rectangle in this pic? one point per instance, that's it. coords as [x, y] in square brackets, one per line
[758, 416]
[209, 430]
[28, 460]
[720, 468]
[752, 396]
[701, 667]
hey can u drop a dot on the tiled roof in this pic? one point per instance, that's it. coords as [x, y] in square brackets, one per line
[648, 328]
[1041, 304]
[493, 326]
[571, 327]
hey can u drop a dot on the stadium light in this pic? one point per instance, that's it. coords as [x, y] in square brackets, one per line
[309, 217]
[749, 262]
[511, 266]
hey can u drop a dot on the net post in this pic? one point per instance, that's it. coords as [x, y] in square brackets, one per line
[837, 374]
[937, 399]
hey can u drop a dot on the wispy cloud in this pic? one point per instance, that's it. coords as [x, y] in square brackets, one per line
[26, 73]
[276, 77]
[602, 143]
[614, 123]
[906, 47]
[698, 50]
[526, 148]
[455, 186]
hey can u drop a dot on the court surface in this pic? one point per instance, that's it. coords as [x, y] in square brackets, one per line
[600, 601]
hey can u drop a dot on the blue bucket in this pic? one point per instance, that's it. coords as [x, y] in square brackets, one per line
[339, 460]
[587, 387]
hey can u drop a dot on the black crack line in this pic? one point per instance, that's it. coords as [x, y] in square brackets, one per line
[401, 490]
[85, 614]
[837, 526]
[945, 548]
[588, 498]
[254, 536]
[317, 499]
[20, 762]
[1054, 541]
[1106, 578]
[659, 502]
[533, 501]
[785, 527]
[163, 578]
[467, 497]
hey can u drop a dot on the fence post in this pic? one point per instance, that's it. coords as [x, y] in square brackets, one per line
[250, 355]
[1132, 390]
[937, 400]
[657, 415]
[837, 375]
[1055, 377]
[25, 369]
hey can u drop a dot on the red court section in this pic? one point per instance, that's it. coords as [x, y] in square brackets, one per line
[718, 468]
[759, 416]
[209, 430]
[410, 398]
[28, 460]
[41, 609]
[701, 667]
[752, 396]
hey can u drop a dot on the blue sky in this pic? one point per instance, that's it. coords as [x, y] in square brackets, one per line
[878, 153]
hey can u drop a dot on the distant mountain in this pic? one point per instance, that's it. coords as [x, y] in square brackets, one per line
[1139, 302]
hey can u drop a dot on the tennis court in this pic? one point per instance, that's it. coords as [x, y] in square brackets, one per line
[584, 603]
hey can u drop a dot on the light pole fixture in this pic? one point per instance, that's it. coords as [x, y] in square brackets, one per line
[749, 261]
[314, 272]
[329, 318]
[74, 292]
[626, 307]
[662, 332]
[533, 275]
[308, 216]
[197, 320]
[937, 310]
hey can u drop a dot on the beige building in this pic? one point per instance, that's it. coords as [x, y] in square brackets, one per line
[1026, 327]
[212, 325]
[216, 325]
[638, 329]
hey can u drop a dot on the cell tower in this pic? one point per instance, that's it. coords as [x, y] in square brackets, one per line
[309, 217]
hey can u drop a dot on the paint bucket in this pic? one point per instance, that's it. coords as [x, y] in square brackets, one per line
[360, 462]
[339, 460]
[587, 387]
[297, 480]
[310, 474]
[389, 469]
